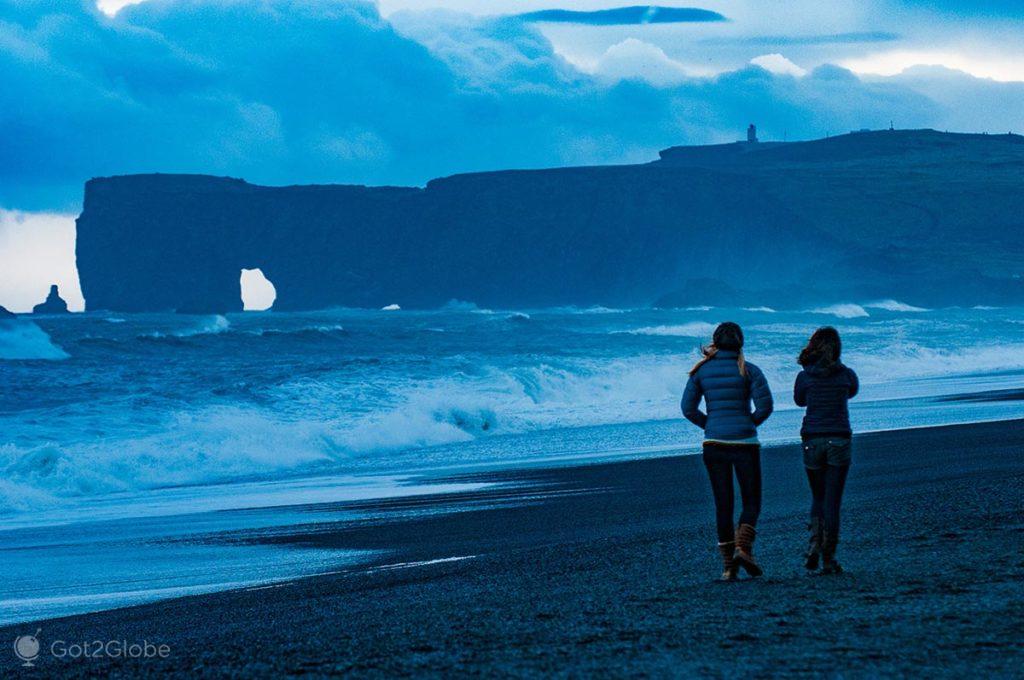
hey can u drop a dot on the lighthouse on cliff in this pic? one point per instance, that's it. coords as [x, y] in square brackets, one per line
[752, 133]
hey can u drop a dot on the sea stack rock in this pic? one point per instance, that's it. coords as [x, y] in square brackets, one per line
[4, 314]
[53, 304]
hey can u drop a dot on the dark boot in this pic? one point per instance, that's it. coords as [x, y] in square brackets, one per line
[813, 554]
[829, 565]
[728, 561]
[744, 554]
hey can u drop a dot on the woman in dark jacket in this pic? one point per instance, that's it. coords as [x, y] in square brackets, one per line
[728, 384]
[824, 386]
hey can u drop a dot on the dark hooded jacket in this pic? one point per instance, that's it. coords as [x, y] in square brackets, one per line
[824, 388]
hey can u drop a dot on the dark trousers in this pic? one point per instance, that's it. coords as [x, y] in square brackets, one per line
[721, 461]
[827, 461]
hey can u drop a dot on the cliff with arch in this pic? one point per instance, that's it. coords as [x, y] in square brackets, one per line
[927, 217]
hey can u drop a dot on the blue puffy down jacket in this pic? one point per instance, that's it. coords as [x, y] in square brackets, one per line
[727, 397]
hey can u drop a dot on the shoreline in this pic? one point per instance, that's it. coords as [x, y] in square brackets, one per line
[608, 567]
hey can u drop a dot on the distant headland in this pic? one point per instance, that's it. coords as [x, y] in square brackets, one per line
[931, 218]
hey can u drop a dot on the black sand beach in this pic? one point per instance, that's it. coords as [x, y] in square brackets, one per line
[608, 570]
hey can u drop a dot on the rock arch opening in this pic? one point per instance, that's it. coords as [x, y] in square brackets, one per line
[258, 293]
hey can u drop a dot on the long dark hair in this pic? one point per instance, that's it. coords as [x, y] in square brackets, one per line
[728, 337]
[823, 348]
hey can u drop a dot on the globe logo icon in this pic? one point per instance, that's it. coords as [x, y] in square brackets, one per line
[26, 648]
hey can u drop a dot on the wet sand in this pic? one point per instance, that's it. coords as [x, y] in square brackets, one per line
[608, 570]
[988, 396]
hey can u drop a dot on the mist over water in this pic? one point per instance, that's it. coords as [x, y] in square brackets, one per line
[154, 401]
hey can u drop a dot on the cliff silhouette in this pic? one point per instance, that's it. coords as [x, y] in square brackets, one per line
[927, 217]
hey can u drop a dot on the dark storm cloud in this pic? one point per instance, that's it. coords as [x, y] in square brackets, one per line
[296, 91]
[622, 16]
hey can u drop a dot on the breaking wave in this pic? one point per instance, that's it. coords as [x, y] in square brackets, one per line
[593, 309]
[693, 329]
[843, 311]
[849, 310]
[213, 325]
[190, 448]
[320, 329]
[598, 309]
[894, 306]
[310, 426]
[23, 340]
[259, 409]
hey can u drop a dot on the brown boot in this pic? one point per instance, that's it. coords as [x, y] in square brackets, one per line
[744, 554]
[728, 561]
[828, 554]
[813, 554]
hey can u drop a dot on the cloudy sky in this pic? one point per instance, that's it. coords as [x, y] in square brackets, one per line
[292, 91]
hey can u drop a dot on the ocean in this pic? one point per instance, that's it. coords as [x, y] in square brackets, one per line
[131, 442]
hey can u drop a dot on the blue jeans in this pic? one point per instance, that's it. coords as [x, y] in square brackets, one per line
[827, 461]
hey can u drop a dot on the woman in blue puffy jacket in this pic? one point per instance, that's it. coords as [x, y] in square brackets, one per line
[824, 386]
[728, 384]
